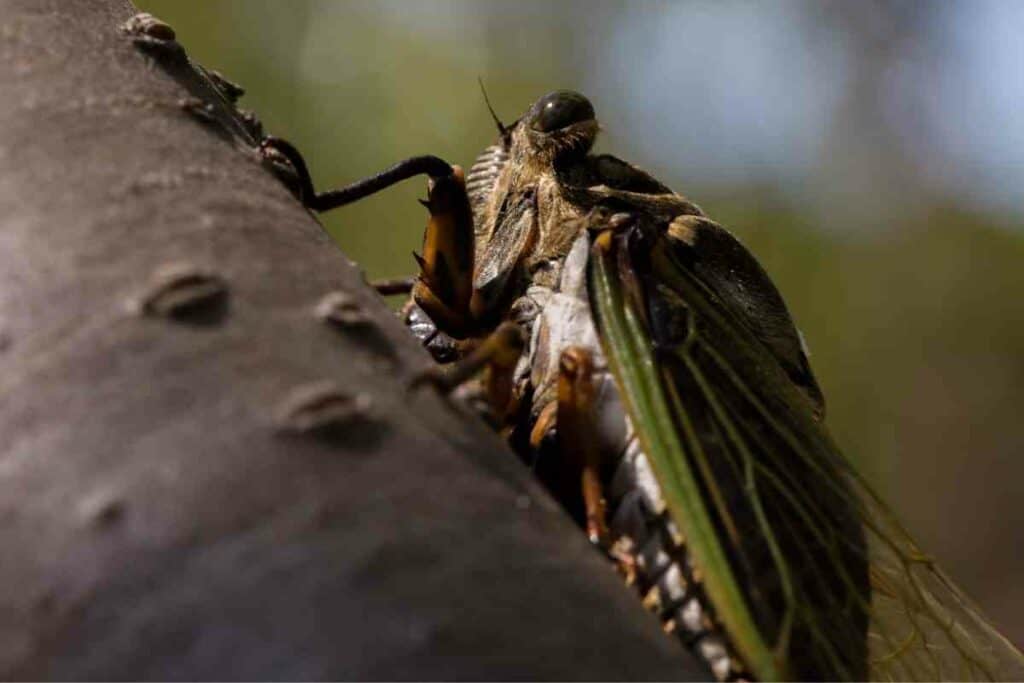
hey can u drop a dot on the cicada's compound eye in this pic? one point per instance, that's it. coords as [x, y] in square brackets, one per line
[560, 109]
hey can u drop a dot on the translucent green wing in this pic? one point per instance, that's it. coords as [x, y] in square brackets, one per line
[807, 571]
[923, 627]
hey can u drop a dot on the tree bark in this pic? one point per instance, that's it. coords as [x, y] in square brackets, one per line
[203, 477]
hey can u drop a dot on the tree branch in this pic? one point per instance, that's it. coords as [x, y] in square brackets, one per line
[201, 477]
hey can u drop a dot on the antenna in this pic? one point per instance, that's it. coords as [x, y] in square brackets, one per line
[501, 126]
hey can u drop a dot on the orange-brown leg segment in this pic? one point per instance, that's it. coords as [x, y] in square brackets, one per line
[577, 435]
[445, 284]
[544, 423]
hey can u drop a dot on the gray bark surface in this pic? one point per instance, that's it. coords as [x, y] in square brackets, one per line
[176, 501]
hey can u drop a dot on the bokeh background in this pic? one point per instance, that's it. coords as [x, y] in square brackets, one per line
[871, 154]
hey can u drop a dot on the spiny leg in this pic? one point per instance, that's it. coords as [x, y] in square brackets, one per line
[445, 284]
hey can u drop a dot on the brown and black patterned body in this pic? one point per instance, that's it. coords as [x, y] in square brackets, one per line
[537, 199]
[645, 366]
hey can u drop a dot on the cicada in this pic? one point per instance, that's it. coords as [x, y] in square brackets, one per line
[639, 357]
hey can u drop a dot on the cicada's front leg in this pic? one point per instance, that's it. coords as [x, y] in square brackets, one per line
[445, 283]
[443, 289]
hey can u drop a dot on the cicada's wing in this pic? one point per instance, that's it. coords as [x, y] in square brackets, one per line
[807, 573]
[923, 627]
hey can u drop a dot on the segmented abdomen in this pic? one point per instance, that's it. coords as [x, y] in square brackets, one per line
[638, 519]
[665, 576]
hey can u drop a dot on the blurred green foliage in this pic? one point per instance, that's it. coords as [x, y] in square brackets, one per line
[915, 323]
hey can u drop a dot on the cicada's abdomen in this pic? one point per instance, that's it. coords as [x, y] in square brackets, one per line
[664, 572]
[642, 532]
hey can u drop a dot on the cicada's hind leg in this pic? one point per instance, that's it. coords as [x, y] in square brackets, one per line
[445, 283]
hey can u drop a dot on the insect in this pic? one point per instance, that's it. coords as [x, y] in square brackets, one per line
[638, 355]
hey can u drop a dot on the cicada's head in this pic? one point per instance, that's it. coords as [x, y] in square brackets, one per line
[560, 126]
